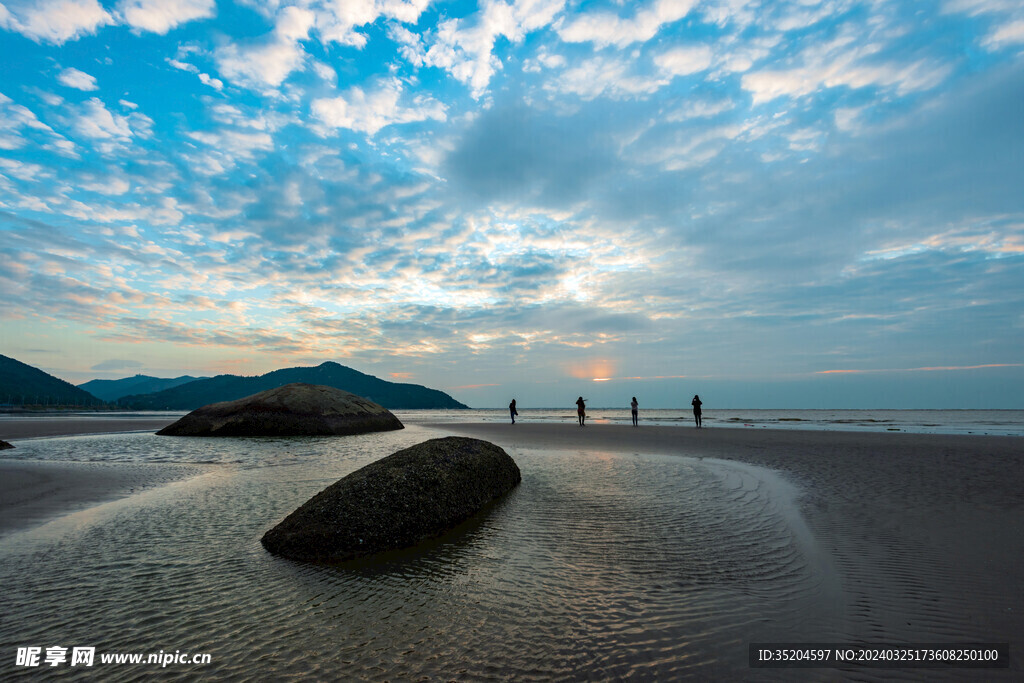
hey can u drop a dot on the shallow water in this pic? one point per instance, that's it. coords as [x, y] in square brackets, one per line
[599, 565]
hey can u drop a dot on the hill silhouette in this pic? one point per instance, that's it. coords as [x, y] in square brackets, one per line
[201, 392]
[24, 385]
[113, 389]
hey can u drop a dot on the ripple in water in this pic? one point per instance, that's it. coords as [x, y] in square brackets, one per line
[598, 565]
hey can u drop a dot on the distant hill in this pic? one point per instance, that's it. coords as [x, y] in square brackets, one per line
[24, 385]
[231, 387]
[113, 389]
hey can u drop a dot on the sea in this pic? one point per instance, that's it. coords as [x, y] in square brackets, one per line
[598, 566]
[991, 422]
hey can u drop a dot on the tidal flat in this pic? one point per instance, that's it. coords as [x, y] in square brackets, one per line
[649, 553]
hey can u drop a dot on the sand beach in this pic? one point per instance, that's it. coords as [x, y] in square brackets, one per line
[653, 551]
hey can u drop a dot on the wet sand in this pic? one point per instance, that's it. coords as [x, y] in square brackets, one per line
[33, 492]
[13, 428]
[922, 532]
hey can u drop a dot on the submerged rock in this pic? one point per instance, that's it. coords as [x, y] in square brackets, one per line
[396, 502]
[291, 410]
[4, 445]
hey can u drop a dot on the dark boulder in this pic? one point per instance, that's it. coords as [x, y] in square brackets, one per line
[4, 445]
[291, 410]
[396, 502]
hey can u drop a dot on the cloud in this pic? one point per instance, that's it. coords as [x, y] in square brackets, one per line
[17, 121]
[326, 72]
[214, 83]
[60, 21]
[736, 56]
[269, 62]
[464, 47]
[368, 112]
[686, 147]
[97, 122]
[947, 368]
[111, 185]
[954, 159]
[605, 76]
[160, 17]
[606, 28]
[799, 16]
[998, 238]
[593, 203]
[204, 78]
[684, 60]
[1007, 34]
[73, 78]
[337, 20]
[976, 7]
[53, 21]
[700, 108]
[225, 148]
[22, 170]
[841, 62]
[514, 153]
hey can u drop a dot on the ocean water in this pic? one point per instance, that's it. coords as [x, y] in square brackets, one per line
[992, 422]
[599, 565]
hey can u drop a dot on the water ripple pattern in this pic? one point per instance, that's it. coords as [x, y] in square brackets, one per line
[597, 566]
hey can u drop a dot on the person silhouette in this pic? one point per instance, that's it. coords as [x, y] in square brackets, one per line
[512, 410]
[635, 407]
[696, 403]
[581, 410]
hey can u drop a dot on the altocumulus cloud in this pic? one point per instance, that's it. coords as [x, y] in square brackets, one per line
[369, 111]
[507, 195]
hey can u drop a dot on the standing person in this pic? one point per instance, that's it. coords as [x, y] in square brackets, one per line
[581, 410]
[512, 410]
[696, 409]
[635, 407]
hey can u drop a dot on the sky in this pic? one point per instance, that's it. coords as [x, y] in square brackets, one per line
[772, 204]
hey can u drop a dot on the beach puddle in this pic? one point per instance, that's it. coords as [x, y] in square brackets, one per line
[598, 566]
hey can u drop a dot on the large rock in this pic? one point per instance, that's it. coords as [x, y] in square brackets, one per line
[396, 502]
[291, 410]
[4, 445]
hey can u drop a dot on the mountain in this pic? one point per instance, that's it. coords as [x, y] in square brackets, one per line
[24, 385]
[113, 389]
[232, 387]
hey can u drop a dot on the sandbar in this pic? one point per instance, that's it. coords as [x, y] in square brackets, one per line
[14, 427]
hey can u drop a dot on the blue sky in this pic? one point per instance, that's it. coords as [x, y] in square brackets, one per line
[772, 204]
